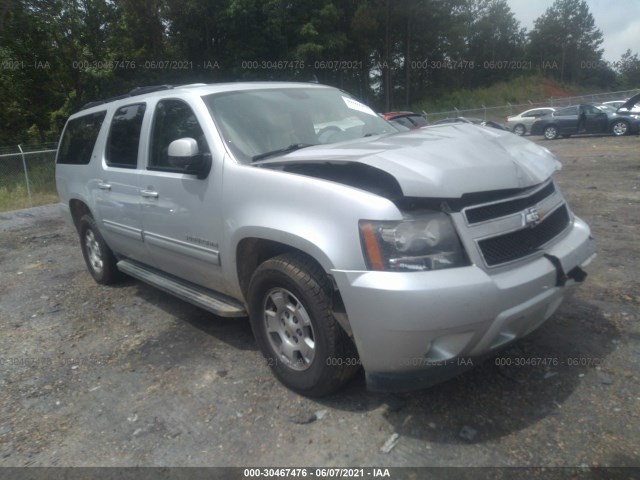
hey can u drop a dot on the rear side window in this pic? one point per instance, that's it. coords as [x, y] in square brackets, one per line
[79, 138]
[566, 111]
[124, 136]
[404, 121]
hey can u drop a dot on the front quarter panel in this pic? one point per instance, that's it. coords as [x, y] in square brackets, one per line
[315, 216]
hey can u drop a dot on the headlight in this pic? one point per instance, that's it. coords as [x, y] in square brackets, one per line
[422, 242]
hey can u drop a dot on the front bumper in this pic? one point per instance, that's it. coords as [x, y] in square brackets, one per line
[415, 329]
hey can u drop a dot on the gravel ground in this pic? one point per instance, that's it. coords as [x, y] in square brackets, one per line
[127, 376]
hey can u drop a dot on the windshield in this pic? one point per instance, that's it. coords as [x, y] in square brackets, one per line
[256, 123]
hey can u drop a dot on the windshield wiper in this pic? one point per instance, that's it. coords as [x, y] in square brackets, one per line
[289, 149]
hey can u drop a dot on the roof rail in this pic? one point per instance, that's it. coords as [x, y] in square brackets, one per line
[132, 93]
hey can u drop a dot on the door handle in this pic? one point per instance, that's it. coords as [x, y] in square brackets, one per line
[149, 193]
[104, 186]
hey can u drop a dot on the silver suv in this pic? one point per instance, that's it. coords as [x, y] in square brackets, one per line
[347, 243]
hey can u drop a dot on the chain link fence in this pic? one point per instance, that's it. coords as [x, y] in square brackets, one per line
[500, 113]
[27, 176]
[27, 173]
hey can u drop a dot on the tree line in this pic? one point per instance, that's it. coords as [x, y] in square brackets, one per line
[59, 54]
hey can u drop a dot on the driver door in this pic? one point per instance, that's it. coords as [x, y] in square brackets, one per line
[596, 120]
[181, 218]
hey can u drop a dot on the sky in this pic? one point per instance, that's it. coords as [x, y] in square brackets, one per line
[619, 21]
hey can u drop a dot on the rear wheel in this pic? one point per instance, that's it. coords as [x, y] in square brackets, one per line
[519, 130]
[290, 307]
[100, 260]
[620, 128]
[551, 132]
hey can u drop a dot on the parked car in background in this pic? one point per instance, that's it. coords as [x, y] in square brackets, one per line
[615, 103]
[620, 103]
[408, 120]
[521, 123]
[473, 120]
[589, 118]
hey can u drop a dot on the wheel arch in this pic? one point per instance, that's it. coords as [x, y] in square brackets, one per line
[78, 208]
[620, 120]
[253, 251]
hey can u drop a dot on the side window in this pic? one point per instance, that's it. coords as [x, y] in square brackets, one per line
[173, 119]
[418, 120]
[566, 112]
[404, 121]
[79, 138]
[124, 136]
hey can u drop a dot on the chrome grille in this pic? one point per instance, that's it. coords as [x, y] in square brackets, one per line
[501, 209]
[522, 243]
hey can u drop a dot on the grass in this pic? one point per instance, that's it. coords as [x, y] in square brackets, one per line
[13, 190]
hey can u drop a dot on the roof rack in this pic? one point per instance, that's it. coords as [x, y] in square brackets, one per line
[135, 92]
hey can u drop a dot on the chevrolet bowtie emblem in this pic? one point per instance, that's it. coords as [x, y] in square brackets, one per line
[532, 217]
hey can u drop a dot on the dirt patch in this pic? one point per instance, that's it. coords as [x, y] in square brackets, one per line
[551, 89]
[127, 375]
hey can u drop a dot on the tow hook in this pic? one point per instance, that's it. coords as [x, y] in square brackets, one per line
[576, 273]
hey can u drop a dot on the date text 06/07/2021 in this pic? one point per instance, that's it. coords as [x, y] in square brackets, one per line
[374, 472]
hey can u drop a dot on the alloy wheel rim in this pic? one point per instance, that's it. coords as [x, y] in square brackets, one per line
[620, 128]
[289, 329]
[93, 251]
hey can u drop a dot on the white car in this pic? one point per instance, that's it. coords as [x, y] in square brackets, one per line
[619, 103]
[520, 124]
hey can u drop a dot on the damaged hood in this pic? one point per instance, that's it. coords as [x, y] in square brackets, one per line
[444, 161]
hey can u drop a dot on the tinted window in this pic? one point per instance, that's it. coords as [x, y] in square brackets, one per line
[566, 111]
[418, 120]
[124, 136]
[173, 119]
[404, 121]
[79, 138]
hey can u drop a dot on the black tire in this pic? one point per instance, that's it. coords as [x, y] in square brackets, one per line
[100, 260]
[290, 308]
[520, 130]
[550, 132]
[620, 128]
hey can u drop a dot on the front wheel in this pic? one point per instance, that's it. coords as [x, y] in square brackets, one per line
[290, 308]
[620, 128]
[551, 132]
[99, 258]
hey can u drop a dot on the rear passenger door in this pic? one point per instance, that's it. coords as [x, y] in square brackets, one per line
[181, 215]
[116, 190]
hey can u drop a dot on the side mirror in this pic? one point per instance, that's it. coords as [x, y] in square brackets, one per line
[185, 154]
